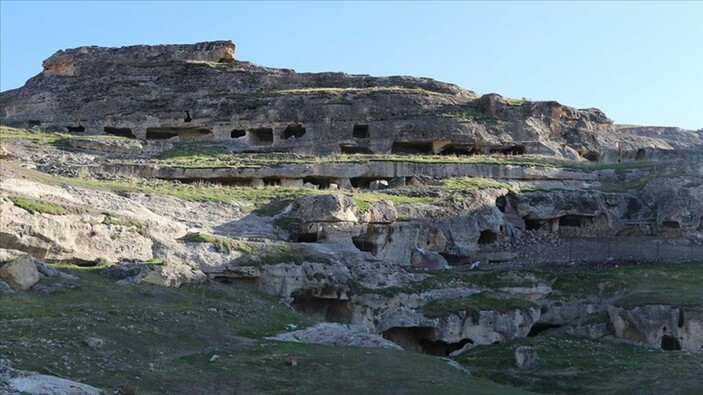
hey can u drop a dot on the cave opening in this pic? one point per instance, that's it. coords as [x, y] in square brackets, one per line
[422, 340]
[122, 132]
[360, 131]
[261, 136]
[353, 149]
[575, 221]
[73, 129]
[641, 154]
[510, 150]
[413, 148]
[532, 224]
[365, 245]
[189, 133]
[670, 343]
[187, 118]
[293, 130]
[670, 224]
[538, 328]
[487, 237]
[334, 310]
[237, 133]
[592, 156]
[309, 237]
[33, 122]
[458, 150]
[501, 203]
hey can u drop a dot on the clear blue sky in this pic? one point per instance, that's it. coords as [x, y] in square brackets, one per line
[640, 62]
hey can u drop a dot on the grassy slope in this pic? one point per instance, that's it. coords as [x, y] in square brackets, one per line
[577, 365]
[159, 340]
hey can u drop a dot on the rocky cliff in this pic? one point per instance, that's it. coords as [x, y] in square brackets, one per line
[201, 92]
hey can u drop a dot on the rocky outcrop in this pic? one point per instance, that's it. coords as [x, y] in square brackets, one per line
[678, 202]
[199, 92]
[660, 326]
[337, 335]
[14, 381]
[21, 273]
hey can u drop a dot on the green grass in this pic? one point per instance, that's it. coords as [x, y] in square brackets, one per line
[515, 102]
[579, 365]
[473, 184]
[110, 220]
[159, 340]
[38, 206]
[475, 303]
[38, 137]
[634, 184]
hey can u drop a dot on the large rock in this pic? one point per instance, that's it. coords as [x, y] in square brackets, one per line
[324, 208]
[426, 259]
[526, 358]
[20, 274]
[174, 275]
[337, 335]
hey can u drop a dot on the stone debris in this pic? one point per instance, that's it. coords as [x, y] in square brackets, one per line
[526, 358]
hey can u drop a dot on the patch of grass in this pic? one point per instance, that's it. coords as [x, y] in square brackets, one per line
[38, 206]
[364, 200]
[579, 365]
[272, 209]
[154, 261]
[222, 244]
[475, 303]
[35, 136]
[515, 102]
[473, 184]
[635, 184]
[110, 220]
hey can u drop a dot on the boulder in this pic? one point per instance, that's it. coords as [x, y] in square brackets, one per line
[526, 358]
[21, 273]
[122, 271]
[382, 212]
[324, 208]
[337, 335]
[426, 259]
[378, 184]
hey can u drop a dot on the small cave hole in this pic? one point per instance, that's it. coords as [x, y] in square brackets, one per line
[670, 224]
[79, 128]
[487, 237]
[670, 343]
[334, 310]
[641, 154]
[261, 136]
[539, 328]
[296, 131]
[531, 224]
[413, 148]
[187, 118]
[310, 237]
[237, 133]
[510, 150]
[360, 131]
[501, 203]
[33, 122]
[592, 156]
[365, 245]
[122, 132]
[681, 318]
[576, 221]
[458, 150]
[352, 149]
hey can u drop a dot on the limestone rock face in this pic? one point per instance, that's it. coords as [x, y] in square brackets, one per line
[20, 274]
[174, 276]
[200, 92]
[660, 326]
[69, 237]
[679, 203]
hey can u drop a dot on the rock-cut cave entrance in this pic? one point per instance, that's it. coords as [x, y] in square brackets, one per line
[261, 136]
[360, 131]
[422, 340]
[293, 130]
[122, 132]
[670, 343]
